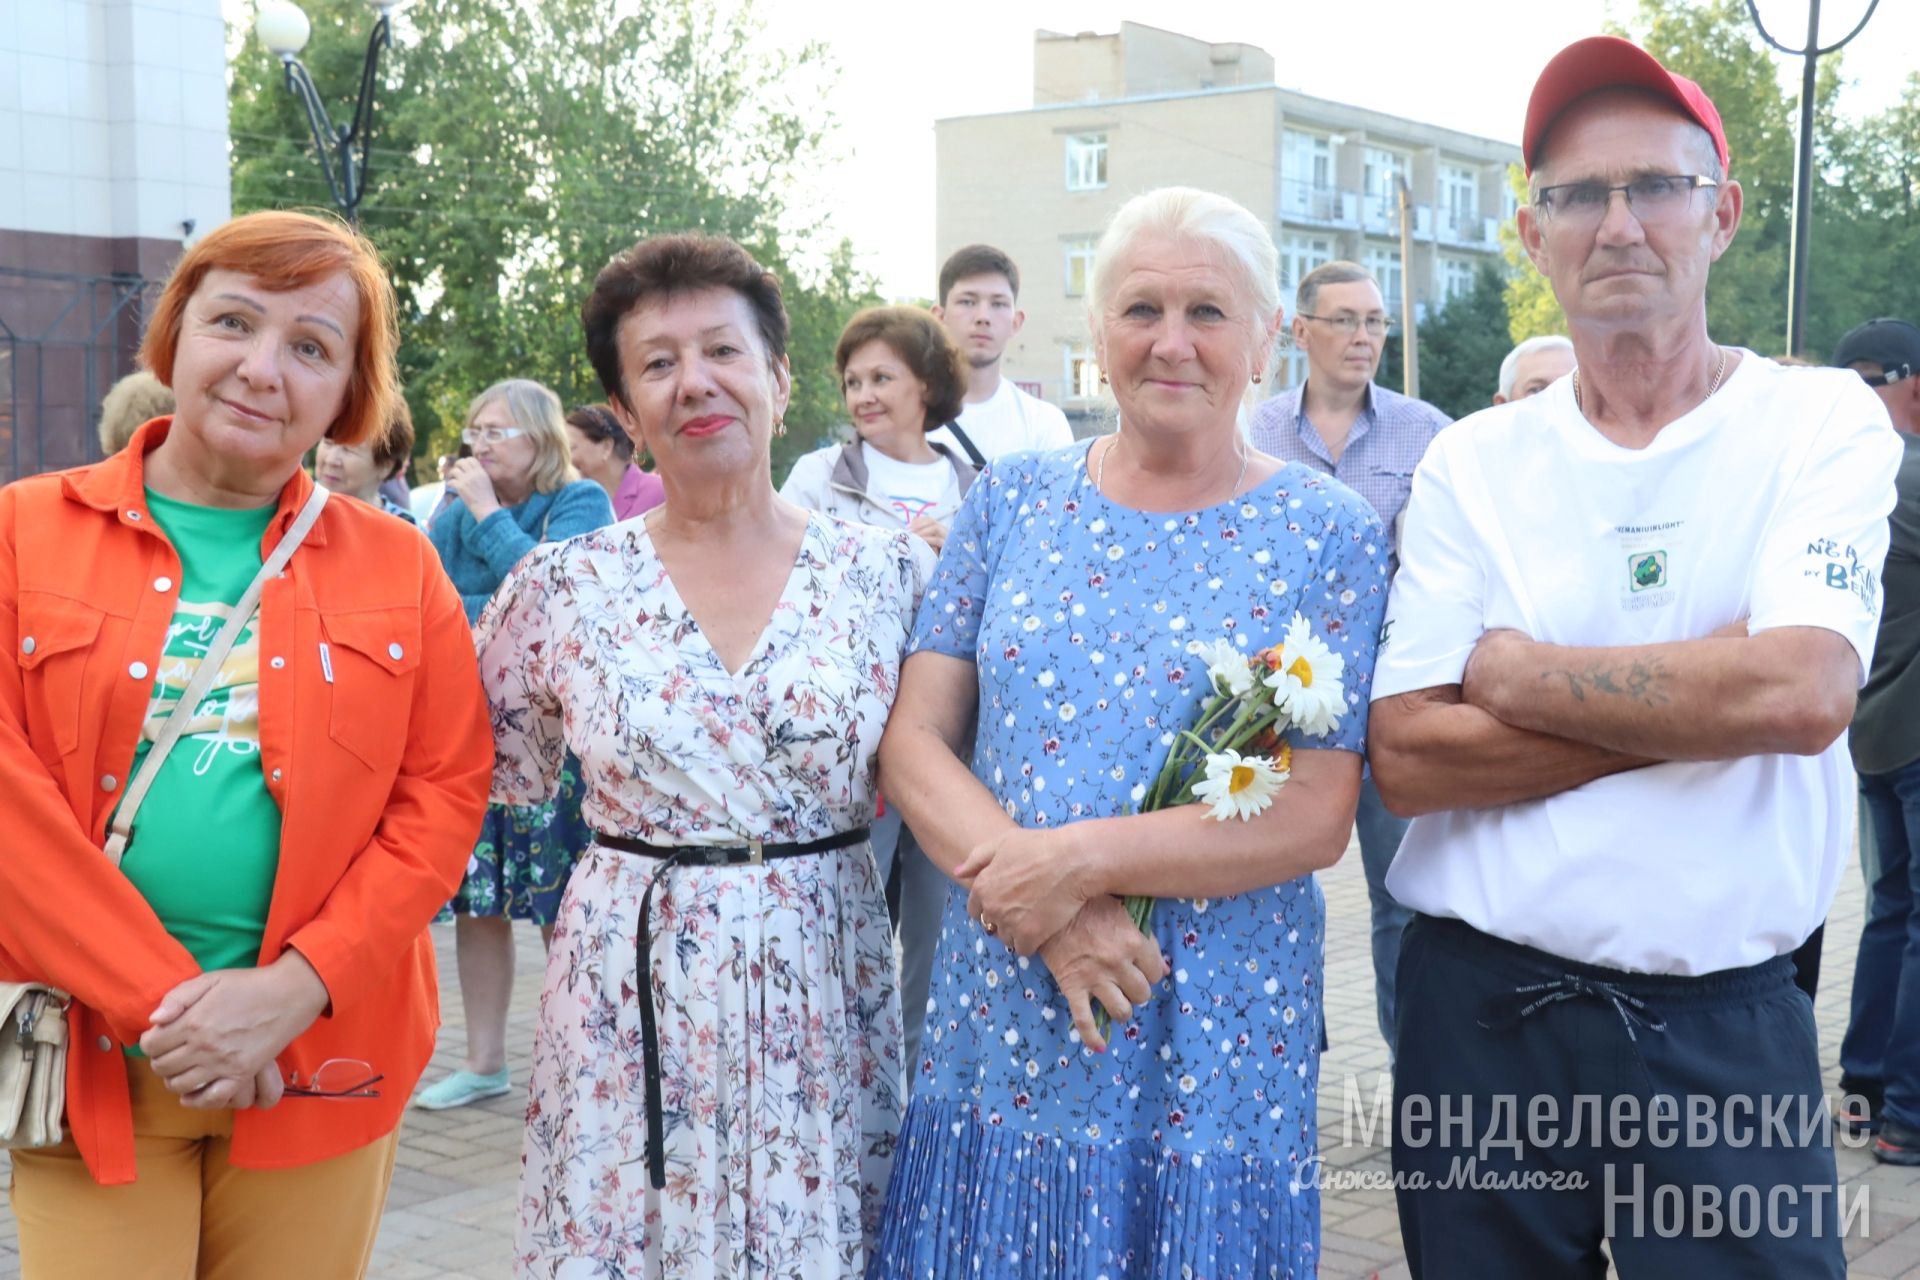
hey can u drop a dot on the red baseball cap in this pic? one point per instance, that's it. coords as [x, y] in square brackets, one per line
[1608, 62]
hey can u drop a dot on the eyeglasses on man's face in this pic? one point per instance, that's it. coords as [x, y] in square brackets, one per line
[1348, 323]
[491, 435]
[1651, 198]
[336, 1078]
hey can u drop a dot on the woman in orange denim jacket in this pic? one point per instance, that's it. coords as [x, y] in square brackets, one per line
[269, 916]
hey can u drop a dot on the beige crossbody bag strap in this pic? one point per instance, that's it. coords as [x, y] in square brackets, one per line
[204, 675]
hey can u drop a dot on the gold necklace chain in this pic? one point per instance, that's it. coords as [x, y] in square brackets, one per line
[1712, 387]
[1100, 471]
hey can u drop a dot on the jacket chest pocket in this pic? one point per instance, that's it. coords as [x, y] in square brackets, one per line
[54, 648]
[369, 664]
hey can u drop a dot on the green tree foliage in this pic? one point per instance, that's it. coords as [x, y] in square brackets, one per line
[1867, 225]
[1462, 345]
[518, 146]
[1532, 310]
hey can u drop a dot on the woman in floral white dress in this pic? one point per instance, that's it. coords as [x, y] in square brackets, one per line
[722, 667]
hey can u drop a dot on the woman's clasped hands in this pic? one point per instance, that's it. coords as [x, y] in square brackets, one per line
[1027, 888]
[214, 1038]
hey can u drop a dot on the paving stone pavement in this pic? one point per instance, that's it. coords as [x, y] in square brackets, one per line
[450, 1213]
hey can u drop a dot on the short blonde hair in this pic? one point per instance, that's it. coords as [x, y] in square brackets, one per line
[535, 409]
[134, 400]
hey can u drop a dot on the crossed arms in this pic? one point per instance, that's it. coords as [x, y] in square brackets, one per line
[1530, 720]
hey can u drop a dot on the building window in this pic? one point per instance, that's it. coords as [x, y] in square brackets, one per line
[1306, 174]
[1381, 176]
[1086, 161]
[1460, 194]
[1385, 266]
[1079, 265]
[1457, 276]
[1301, 254]
[1083, 375]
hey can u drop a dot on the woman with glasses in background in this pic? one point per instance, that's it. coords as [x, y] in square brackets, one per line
[265, 927]
[518, 490]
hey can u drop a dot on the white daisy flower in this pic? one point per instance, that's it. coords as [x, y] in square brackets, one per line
[1238, 786]
[1226, 666]
[1306, 685]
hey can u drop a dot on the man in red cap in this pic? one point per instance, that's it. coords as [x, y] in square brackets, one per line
[1621, 654]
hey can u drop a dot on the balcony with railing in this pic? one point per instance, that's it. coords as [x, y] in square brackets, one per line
[1317, 204]
[1310, 204]
[1468, 227]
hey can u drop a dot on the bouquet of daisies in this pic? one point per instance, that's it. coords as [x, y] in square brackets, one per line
[1235, 758]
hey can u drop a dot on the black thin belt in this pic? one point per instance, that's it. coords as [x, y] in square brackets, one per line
[753, 853]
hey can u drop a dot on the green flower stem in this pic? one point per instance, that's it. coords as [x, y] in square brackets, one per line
[1254, 712]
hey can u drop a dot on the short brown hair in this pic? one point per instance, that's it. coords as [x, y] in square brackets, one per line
[1308, 293]
[923, 345]
[668, 265]
[132, 401]
[286, 251]
[393, 453]
[977, 260]
[597, 423]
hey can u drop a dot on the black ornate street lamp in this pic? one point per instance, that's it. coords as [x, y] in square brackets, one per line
[1803, 163]
[284, 29]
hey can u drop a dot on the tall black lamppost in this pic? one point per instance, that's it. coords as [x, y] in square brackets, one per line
[284, 29]
[1803, 163]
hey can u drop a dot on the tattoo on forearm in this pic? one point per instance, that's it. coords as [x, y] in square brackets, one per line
[1642, 681]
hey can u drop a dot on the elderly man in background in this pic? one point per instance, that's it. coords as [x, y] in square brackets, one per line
[1533, 366]
[1620, 662]
[1341, 422]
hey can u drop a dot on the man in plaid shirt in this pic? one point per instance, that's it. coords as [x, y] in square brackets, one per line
[1371, 440]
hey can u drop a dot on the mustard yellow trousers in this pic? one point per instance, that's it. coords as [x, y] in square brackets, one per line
[192, 1215]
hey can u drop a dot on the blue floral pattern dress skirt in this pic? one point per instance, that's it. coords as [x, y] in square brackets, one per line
[520, 863]
[1189, 1148]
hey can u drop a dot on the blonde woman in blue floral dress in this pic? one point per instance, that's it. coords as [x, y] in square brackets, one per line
[1181, 1141]
[716, 1081]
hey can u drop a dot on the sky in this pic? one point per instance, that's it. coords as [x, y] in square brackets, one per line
[1467, 66]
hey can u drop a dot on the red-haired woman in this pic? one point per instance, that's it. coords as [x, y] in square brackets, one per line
[265, 927]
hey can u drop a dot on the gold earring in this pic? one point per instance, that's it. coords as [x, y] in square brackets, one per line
[1256, 379]
[779, 426]
[1103, 379]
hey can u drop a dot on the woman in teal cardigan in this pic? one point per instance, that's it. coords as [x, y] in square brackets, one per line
[516, 491]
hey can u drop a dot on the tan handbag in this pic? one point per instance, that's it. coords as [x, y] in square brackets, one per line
[33, 1015]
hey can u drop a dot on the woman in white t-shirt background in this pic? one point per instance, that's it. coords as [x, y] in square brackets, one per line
[902, 376]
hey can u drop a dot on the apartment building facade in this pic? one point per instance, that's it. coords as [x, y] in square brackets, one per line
[113, 155]
[1116, 114]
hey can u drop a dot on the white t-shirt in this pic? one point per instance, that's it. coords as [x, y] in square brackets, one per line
[912, 489]
[1767, 502]
[1008, 421]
